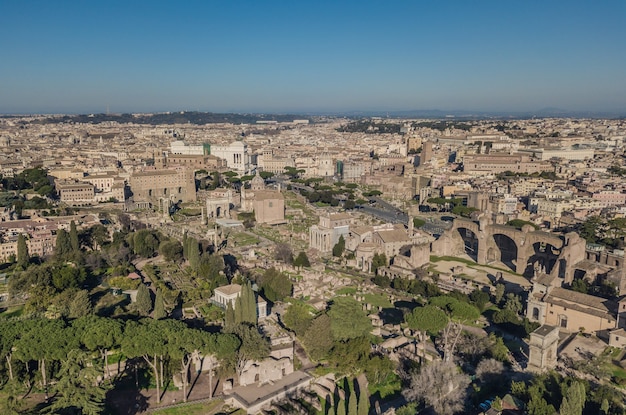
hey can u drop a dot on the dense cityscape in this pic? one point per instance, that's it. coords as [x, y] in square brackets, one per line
[312, 208]
[318, 265]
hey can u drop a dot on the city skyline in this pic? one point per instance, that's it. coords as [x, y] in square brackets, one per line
[74, 57]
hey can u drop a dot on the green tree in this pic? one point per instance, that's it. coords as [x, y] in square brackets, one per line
[318, 339]
[458, 310]
[253, 346]
[78, 385]
[44, 341]
[229, 316]
[479, 298]
[193, 250]
[499, 294]
[10, 331]
[379, 260]
[364, 402]
[245, 306]
[23, 258]
[590, 228]
[339, 247]
[182, 342]
[497, 349]
[80, 305]
[429, 319]
[580, 285]
[537, 405]
[171, 250]
[341, 406]
[347, 319]
[513, 302]
[159, 306]
[212, 268]
[144, 300]
[147, 339]
[573, 401]
[298, 318]
[63, 247]
[99, 334]
[144, 243]
[276, 286]
[68, 276]
[99, 236]
[351, 397]
[302, 260]
[74, 242]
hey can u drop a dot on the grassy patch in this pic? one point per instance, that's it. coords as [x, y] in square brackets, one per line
[618, 372]
[115, 358]
[346, 291]
[392, 386]
[378, 300]
[12, 312]
[192, 409]
[244, 239]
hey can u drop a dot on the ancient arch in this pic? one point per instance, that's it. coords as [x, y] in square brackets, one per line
[519, 249]
[508, 250]
[218, 208]
[542, 256]
[470, 242]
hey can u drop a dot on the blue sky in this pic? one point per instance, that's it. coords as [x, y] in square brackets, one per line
[298, 56]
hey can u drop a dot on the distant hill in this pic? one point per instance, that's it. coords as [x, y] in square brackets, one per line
[483, 115]
[182, 117]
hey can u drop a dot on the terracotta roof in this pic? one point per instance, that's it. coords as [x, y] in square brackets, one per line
[393, 236]
[229, 289]
[586, 300]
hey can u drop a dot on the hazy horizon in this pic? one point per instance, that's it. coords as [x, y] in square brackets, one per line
[292, 57]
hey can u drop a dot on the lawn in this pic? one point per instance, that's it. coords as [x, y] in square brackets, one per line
[392, 386]
[378, 300]
[243, 239]
[12, 312]
[192, 409]
[346, 291]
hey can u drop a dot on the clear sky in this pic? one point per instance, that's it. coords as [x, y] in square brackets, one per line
[284, 56]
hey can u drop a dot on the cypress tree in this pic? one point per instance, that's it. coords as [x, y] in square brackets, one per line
[144, 300]
[22, 251]
[63, 245]
[74, 237]
[80, 305]
[351, 397]
[249, 301]
[339, 247]
[364, 402]
[185, 246]
[159, 306]
[604, 408]
[229, 318]
[239, 316]
[341, 407]
[194, 253]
